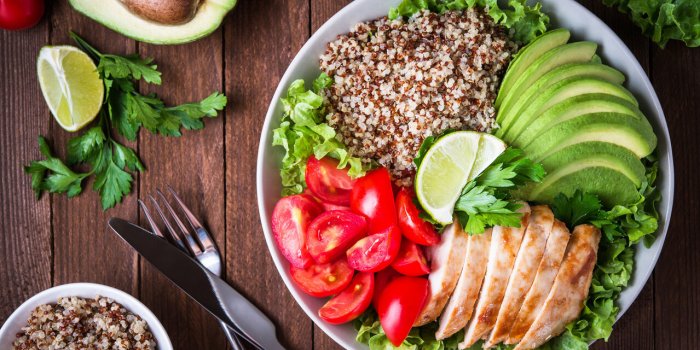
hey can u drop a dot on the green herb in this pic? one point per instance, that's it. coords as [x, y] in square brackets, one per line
[486, 201]
[303, 132]
[664, 20]
[126, 111]
[526, 21]
[425, 146]
[370, 332]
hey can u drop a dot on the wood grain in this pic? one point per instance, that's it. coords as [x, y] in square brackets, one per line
[25, 223]
[261, 38]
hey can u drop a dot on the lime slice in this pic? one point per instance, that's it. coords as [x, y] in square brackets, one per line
[71, 85]
[490, 147]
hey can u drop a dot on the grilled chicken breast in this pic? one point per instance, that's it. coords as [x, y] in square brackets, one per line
[505, 242]
[461, 305]
[447, 260]
[546, 272]
[524, 271]
[570, 289]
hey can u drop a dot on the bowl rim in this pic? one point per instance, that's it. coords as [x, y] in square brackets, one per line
[81, 289]
[661, 129]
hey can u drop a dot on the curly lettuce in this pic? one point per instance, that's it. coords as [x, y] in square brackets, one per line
[526, 22]
[303, 132]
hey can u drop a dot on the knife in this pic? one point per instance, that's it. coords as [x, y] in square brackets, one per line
[207, 289]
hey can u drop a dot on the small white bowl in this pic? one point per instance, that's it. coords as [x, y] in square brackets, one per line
[18, 319]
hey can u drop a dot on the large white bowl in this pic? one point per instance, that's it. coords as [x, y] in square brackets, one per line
[564, 13]
[18, 319]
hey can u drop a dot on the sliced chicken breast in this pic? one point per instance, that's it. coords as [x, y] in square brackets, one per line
[546, 272]
[461, 305]
[447, 260]
[524, 271]
[505, 242]
[565, 301]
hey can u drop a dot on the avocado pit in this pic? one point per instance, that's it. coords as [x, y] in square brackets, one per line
[164, 11]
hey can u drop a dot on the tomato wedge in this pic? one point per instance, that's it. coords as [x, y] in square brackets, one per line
[399, 305]
[376, 251]
[326, 206]
[330, 234]
[410, 261]
[327, 182]
[412, 226]
[351, 302]
[372, 197]
[381, 280]
[323, 280]
[290, 219]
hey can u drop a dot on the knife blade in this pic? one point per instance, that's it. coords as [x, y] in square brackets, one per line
[207, 289]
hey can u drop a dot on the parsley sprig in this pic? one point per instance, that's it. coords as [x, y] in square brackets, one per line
[124, 111]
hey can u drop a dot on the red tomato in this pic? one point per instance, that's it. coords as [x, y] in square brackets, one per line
[332, 233]
[400, 304]
[381, 280]
[412, 226]
[376, 251]
[327, 182]
[290, 220]
[372, 197]
[351, 302]
[326, 206]
[20, 14]
[411, 260]
[323, 280]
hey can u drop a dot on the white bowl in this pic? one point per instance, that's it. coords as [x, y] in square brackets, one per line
[564, 13]
[18, 319]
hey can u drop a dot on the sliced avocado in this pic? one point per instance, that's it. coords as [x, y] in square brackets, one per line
[628, 163]
[559, 92]
[528, 54]
[512, 107]
[599, 176]
[571, 108]
[624, 130]
[580, 52]
[118, 17]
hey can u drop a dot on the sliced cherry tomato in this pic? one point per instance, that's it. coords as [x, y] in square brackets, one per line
[327, 182]
[20, 14]
[323, 280]
[412, 226]
[399, 305]
[376, 251]
[330, 234]
[351, 302]
[381, 280]
[290, 219]
[372, 197]
[326, 206]
[411, 260]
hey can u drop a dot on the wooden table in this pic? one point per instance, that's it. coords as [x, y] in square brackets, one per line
[57, 240]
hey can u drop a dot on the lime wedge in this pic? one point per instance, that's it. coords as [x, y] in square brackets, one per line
[71, 85]
[449, 164]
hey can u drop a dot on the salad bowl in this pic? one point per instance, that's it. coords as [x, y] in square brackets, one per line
[563, 13]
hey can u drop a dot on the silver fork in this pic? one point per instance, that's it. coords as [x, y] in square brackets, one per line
[199, 245]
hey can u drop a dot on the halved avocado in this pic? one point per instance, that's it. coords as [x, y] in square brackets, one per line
[561, 91]
[511, 109]
[579, 52]
[528, 54]
[115, 15]
[621, 129]
[598, 176]
[571, 108]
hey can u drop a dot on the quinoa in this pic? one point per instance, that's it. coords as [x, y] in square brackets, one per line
[396, 82]
[76, 323]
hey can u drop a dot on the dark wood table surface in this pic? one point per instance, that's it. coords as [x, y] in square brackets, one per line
[57, 240]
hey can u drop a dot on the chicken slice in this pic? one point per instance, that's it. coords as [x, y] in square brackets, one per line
[529, 257]
[546, 272]
[505, 242]
[461, 305]
[447, 260]
[565, 302]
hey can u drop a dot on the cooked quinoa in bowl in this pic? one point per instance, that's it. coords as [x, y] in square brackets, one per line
[397, 82]
[77, 323]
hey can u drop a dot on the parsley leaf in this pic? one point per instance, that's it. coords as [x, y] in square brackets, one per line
[52, 175]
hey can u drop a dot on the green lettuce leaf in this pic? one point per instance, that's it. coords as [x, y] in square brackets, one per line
[303, 132]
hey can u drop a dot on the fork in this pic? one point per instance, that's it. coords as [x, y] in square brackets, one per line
[199, 245]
